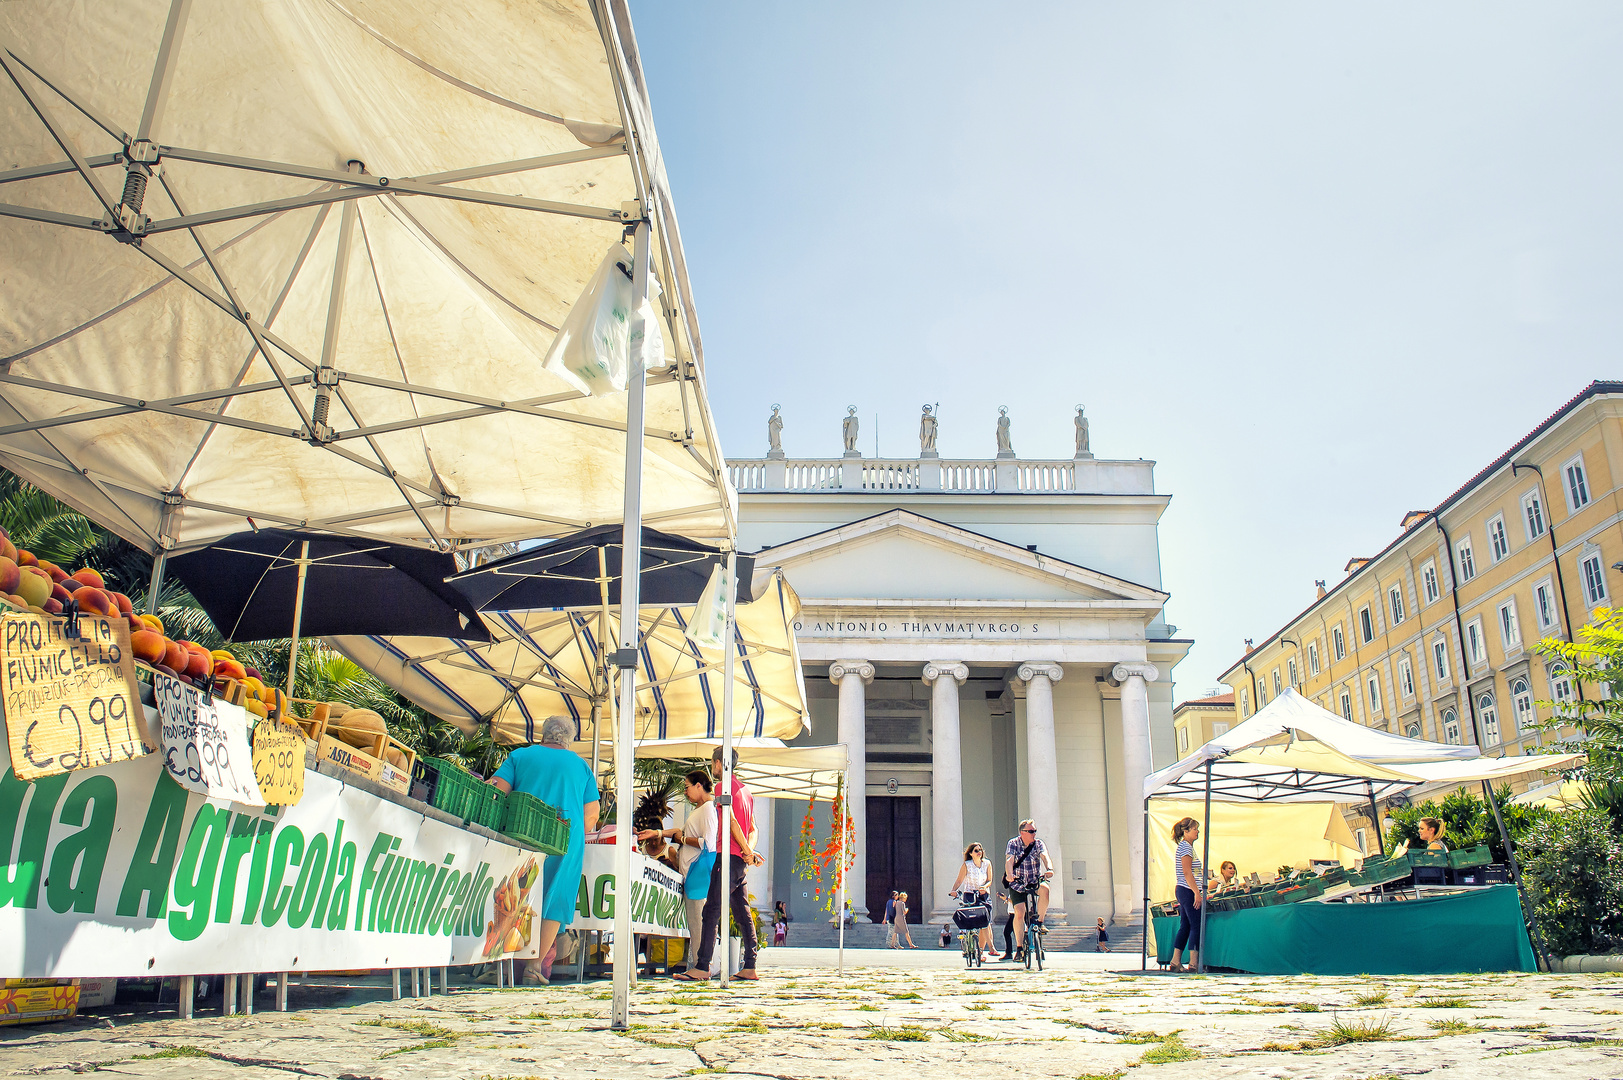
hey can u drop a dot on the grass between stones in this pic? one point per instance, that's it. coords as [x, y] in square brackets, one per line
[174, 1052]
[1454, 1027]
[1373, 999]
[1171, 1049]
[435, 1037]
[1442, 1003]
[902, 1033]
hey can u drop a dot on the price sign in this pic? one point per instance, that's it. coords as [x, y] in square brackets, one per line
[69, 703]
[205, 743]
[279, 761]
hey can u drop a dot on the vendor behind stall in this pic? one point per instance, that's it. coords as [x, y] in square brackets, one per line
[558, 777]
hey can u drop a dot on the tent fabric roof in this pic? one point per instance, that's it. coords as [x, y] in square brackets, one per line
[771, 769]
[359, 203]
[1292, 750]
[548, 663]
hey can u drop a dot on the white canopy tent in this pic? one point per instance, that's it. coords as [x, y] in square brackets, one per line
[1293, 751]
[348, 233]
[772, 768]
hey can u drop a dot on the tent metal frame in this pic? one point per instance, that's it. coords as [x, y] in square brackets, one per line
[124, 221]
[1289, 782]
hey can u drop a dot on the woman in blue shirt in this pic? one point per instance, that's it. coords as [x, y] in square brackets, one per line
[558, 777]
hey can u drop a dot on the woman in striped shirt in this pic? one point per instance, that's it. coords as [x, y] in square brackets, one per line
[1186, 865]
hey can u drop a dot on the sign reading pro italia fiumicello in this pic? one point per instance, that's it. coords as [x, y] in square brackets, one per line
[119, 871]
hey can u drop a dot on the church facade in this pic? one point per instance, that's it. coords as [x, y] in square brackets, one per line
[988, 637]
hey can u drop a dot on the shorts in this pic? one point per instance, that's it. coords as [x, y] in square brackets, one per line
[1019, 895]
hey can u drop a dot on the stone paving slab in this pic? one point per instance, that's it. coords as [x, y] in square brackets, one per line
[885, 1023]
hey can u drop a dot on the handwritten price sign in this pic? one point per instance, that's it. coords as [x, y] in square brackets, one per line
[205, 743]
[279, 761]
[69, 703]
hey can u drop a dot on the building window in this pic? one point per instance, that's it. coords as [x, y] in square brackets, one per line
[1346, 705]
[1394, 597]
[1544, 604]
[1374, 687]
[1338, 642]
[1560, 685]
[1245, 703]
[1366, 624]
[1439, 659]
[1498, 542]
[1467, 561]
[1577, 484]
[1594, 579]
[1406, 676]
[1313, 658]
[1218, 729]
[1428, 581]
[1510, 631]
[1489, 716]
[1413, 731]
[1533, 515]
[1290, 667]
[1183, 740]
[1476, 647]
[1521, 703]
[1262, 693]
[1277, 684]
[1451, 727]
[1362, 838]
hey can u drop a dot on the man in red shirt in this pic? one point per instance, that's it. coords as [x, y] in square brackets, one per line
[742, 857]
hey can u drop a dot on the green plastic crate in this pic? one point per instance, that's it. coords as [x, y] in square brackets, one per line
[461, 794]
[1428, 858]
[1467, 858]
[535, 824]
[1305, 889]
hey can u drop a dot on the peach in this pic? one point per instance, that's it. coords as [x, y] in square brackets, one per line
[253, 673]
[26, 558]
[136, 624]
[154, 622]
[226, 668]
[199, 664]
[92, 601]
[34, 587]
[8, 550]
[125, 608]
[10, 575]
[89, 577]
[148, 645]
[174, 657]
[53, 571]
[53, 606]
[15, 600]
[60, 594]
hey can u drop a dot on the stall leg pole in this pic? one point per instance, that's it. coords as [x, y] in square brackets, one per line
[246, 993]
[281, 991]
[1205, 861]
[725, 838]
[1144, 943]
[1375, 818]
[298, 615]
[228, 996]
[187, 988]
[445, 981]
[1529, 906]
[394, 984]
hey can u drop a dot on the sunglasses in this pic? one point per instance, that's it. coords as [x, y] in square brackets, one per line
[1033, 832]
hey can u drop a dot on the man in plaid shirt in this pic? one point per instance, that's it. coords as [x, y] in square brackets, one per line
[1027, 866]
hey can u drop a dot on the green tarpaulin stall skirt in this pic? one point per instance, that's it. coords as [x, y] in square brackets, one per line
[1480, 930]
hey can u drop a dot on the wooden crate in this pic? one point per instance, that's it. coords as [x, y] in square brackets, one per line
[231, 691]
[342, 754]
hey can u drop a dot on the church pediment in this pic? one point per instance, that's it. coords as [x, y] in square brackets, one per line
[900, 555]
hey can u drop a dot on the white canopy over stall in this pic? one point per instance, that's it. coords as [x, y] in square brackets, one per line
[772, 768]
[299, 263]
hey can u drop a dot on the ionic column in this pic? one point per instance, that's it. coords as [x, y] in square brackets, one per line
[1135, 741]
[1042, 772]
[851, 676]
[946, 780]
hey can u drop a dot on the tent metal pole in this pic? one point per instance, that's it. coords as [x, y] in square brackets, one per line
[839, 903]
[601, 690]
[1144, 943]
[1529, 907]
[155, 586]
[298, 617]
[625, 657]
[724, 839]
[1205, 861]
[1375, 817]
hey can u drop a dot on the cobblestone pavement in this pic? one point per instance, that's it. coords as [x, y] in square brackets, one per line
[884, 1022]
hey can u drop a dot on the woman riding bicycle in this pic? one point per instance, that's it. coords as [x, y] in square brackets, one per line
[974, 885]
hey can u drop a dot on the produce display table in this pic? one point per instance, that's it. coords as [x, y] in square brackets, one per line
[1477, 930]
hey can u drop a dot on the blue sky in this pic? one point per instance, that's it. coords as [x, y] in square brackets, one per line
[1321, 263]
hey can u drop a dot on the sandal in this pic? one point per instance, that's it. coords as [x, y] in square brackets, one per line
[751, 977]
[691, 975]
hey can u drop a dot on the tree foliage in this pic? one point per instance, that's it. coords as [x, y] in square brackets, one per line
[1467, 822]
[1573, 869]
[1596, 661]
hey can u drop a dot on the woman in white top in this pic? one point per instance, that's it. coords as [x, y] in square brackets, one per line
[976, 874]
[1189, 876]
[698, 834]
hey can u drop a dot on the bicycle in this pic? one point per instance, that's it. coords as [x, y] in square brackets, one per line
[1033, 943]
[969, 937]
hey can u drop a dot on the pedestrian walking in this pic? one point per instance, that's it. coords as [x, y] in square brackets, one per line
[743, 857]
[890, 920]
[901, 932]
[1104, 938]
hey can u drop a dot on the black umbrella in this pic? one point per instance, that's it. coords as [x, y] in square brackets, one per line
[583, 570]
[252, 586]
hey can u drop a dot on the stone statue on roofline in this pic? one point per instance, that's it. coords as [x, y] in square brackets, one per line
[927, 430]
[1082, 450]
[849, 430]
[774, 434]
[1005, 445]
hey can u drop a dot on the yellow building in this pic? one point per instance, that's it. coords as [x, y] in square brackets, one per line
[1433, 636]
[1198, 721]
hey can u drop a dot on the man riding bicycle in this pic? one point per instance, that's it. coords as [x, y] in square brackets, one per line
[1027, 866]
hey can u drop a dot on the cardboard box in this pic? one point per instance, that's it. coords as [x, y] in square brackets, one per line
[37, 1004]
[360, 762]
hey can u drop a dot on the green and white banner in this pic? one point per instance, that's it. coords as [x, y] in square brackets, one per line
[657, 906]
[119, 871]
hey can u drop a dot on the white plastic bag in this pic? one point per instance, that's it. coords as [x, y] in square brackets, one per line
[647, 338]
[591, 349]
[709, 626]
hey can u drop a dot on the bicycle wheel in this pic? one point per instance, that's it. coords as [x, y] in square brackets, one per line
[1039, 951]
[964, 946]
[1031, 946]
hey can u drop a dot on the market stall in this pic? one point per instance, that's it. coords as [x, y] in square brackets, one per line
[1293, 752]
